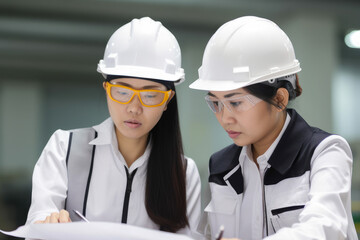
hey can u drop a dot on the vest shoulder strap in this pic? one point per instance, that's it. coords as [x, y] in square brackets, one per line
[79, 162]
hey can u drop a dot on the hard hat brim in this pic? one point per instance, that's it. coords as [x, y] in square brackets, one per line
[209, 85]
[142, 72]
[228, 85]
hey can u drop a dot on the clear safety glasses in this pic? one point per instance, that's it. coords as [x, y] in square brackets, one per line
[233, 104]
[148, 97]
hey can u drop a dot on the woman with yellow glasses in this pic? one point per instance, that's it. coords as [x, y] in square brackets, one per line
[130, 168]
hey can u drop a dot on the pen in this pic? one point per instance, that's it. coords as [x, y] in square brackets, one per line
[80, 215]
[220, 233]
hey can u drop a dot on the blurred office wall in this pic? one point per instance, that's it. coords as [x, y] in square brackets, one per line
[48, 80]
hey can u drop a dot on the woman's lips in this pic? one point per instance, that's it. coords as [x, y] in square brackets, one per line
[233, 134]
[132, 123]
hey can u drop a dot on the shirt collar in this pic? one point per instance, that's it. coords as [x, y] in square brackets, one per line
[142, 160]
[106, 132]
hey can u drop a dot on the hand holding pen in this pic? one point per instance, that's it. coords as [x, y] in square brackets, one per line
[57, 217]
[61, 217]
[220, 233]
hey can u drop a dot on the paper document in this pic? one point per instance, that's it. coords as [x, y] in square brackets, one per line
[91, 231]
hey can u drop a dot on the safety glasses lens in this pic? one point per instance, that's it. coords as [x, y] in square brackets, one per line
[121, 94]
[240, 104]
[151, 97]
[236, 104]
[214, 105]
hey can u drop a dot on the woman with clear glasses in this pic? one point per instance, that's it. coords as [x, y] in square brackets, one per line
[281, 179]
[131, 168]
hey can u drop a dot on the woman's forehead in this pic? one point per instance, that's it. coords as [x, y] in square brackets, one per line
[137, 83]
[227, 94]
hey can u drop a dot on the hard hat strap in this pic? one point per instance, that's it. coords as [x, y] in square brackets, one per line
[277, 81]
[288, 82]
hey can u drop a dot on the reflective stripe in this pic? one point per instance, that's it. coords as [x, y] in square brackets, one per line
[80, 157]
[89, 178]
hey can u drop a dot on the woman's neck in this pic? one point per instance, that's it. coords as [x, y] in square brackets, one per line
[131, 149]
[259, 148]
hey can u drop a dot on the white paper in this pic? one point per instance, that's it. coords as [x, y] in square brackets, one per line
[91, 231]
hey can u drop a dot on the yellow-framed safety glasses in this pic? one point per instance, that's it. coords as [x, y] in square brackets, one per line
[148, 97]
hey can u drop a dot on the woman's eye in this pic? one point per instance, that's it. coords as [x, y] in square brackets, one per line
[150, 95]
[122, 93]
[235, 104]
[216, 103]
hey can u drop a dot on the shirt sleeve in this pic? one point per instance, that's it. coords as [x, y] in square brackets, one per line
[49, 183]
[327, 214]
[193, 194]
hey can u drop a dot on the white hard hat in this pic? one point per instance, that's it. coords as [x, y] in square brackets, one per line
[243, 52]
[143, 48]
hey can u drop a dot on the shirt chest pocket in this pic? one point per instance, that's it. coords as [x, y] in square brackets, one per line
[285, 217]
[222, 211]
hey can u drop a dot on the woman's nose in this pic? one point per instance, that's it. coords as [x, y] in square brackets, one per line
[226, 116]
[135, 106]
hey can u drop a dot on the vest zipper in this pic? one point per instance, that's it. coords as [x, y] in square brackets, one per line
[264, 199]
[130, 178]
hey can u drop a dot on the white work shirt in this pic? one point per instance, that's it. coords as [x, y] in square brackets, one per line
[324, 191]
[108, 182]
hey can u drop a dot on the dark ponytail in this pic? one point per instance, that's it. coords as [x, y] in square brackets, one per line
[165, 195]
[267, 91]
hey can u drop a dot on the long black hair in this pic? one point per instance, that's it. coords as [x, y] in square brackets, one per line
[165, 196]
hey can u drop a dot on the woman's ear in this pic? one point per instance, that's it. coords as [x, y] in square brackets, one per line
[281, 98]
[172, 94]
[104, 85]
